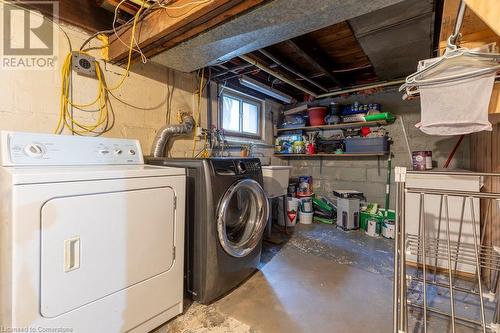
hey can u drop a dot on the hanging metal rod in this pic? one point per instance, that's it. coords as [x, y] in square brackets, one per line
[458, 23]
[278, 75]
[291, 70]
[363, 87]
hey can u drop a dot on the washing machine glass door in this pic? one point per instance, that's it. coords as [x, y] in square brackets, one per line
[242, 217]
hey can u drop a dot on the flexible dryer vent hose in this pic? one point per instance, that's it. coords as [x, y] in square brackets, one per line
[168, 131]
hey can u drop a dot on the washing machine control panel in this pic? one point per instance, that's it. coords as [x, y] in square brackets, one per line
[20, 148]
[253, 167]
[237, 167]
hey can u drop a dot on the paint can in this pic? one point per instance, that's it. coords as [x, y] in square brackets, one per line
[388, 228]
[422, 160]
[305, 188]
[306, 204]
[372, 228]
[292, 212]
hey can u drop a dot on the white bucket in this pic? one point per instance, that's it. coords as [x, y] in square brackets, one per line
[292, 212]
[388, 230]
[372, 228]
[306, 218]
[306, 204]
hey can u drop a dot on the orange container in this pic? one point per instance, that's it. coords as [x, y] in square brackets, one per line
[317, 115]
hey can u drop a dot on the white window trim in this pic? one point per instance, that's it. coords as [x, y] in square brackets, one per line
[238, 137]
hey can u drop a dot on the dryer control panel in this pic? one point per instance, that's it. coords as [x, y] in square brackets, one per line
[21, 148]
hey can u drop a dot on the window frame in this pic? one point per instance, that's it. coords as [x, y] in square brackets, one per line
[242, 98]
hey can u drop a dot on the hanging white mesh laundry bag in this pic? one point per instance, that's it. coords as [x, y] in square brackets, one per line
[459, 106]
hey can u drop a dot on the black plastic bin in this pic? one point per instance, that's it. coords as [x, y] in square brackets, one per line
[329, 146]
[367, 145]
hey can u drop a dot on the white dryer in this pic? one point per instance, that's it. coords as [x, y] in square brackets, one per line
[91, 239]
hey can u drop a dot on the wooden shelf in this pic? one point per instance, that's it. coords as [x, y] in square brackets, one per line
[338, 126]
[331, 155]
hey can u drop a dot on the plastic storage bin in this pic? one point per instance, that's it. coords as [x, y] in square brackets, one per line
[367, 145]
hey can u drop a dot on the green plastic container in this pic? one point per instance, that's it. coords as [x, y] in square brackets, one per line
[379, 217]
[387, 116]
[391, 214]
[363, 220]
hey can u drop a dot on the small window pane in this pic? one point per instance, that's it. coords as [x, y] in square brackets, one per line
[230, 114]
[250, 118]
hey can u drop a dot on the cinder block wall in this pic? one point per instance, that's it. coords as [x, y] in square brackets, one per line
[368, 174]
[29, 99]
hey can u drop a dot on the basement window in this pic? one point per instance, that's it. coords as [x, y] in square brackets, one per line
[240, 115]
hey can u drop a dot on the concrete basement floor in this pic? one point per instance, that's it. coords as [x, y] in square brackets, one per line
[320, 280]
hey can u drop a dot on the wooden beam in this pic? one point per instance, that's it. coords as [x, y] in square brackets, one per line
[314, 55]
[158, 24]
[126, 7]
[209, 21]
[165, 28]
[488, 11]
[291, 69]
[279, 76]
[475, 33]
[84, 14]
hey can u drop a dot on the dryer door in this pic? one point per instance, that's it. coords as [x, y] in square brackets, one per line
[242, 217]
[95, 245]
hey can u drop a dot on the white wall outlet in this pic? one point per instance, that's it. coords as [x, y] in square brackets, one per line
[83, 64]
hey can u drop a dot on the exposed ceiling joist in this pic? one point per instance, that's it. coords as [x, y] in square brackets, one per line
[271, 23]
[279, 76]
[290, 69]
[314, 55]
[233, 70]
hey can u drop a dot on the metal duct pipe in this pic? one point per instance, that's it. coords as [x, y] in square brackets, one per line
[277, 75]
[168, 131]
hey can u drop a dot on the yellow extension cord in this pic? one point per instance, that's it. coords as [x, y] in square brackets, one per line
[66, 118]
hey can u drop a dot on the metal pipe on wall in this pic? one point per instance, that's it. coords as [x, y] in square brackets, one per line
[364, 87]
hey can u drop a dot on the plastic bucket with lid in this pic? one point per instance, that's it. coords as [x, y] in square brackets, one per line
[317, 115]
[306, 218]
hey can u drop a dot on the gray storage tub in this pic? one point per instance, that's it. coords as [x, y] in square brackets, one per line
[367, 145]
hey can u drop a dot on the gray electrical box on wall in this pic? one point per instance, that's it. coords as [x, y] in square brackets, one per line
[83, 64]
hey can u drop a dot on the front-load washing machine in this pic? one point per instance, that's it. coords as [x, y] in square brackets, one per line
[226, 213]
[91, 239]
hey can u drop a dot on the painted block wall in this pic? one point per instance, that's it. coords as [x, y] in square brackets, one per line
[29, 99]
[368, 174]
